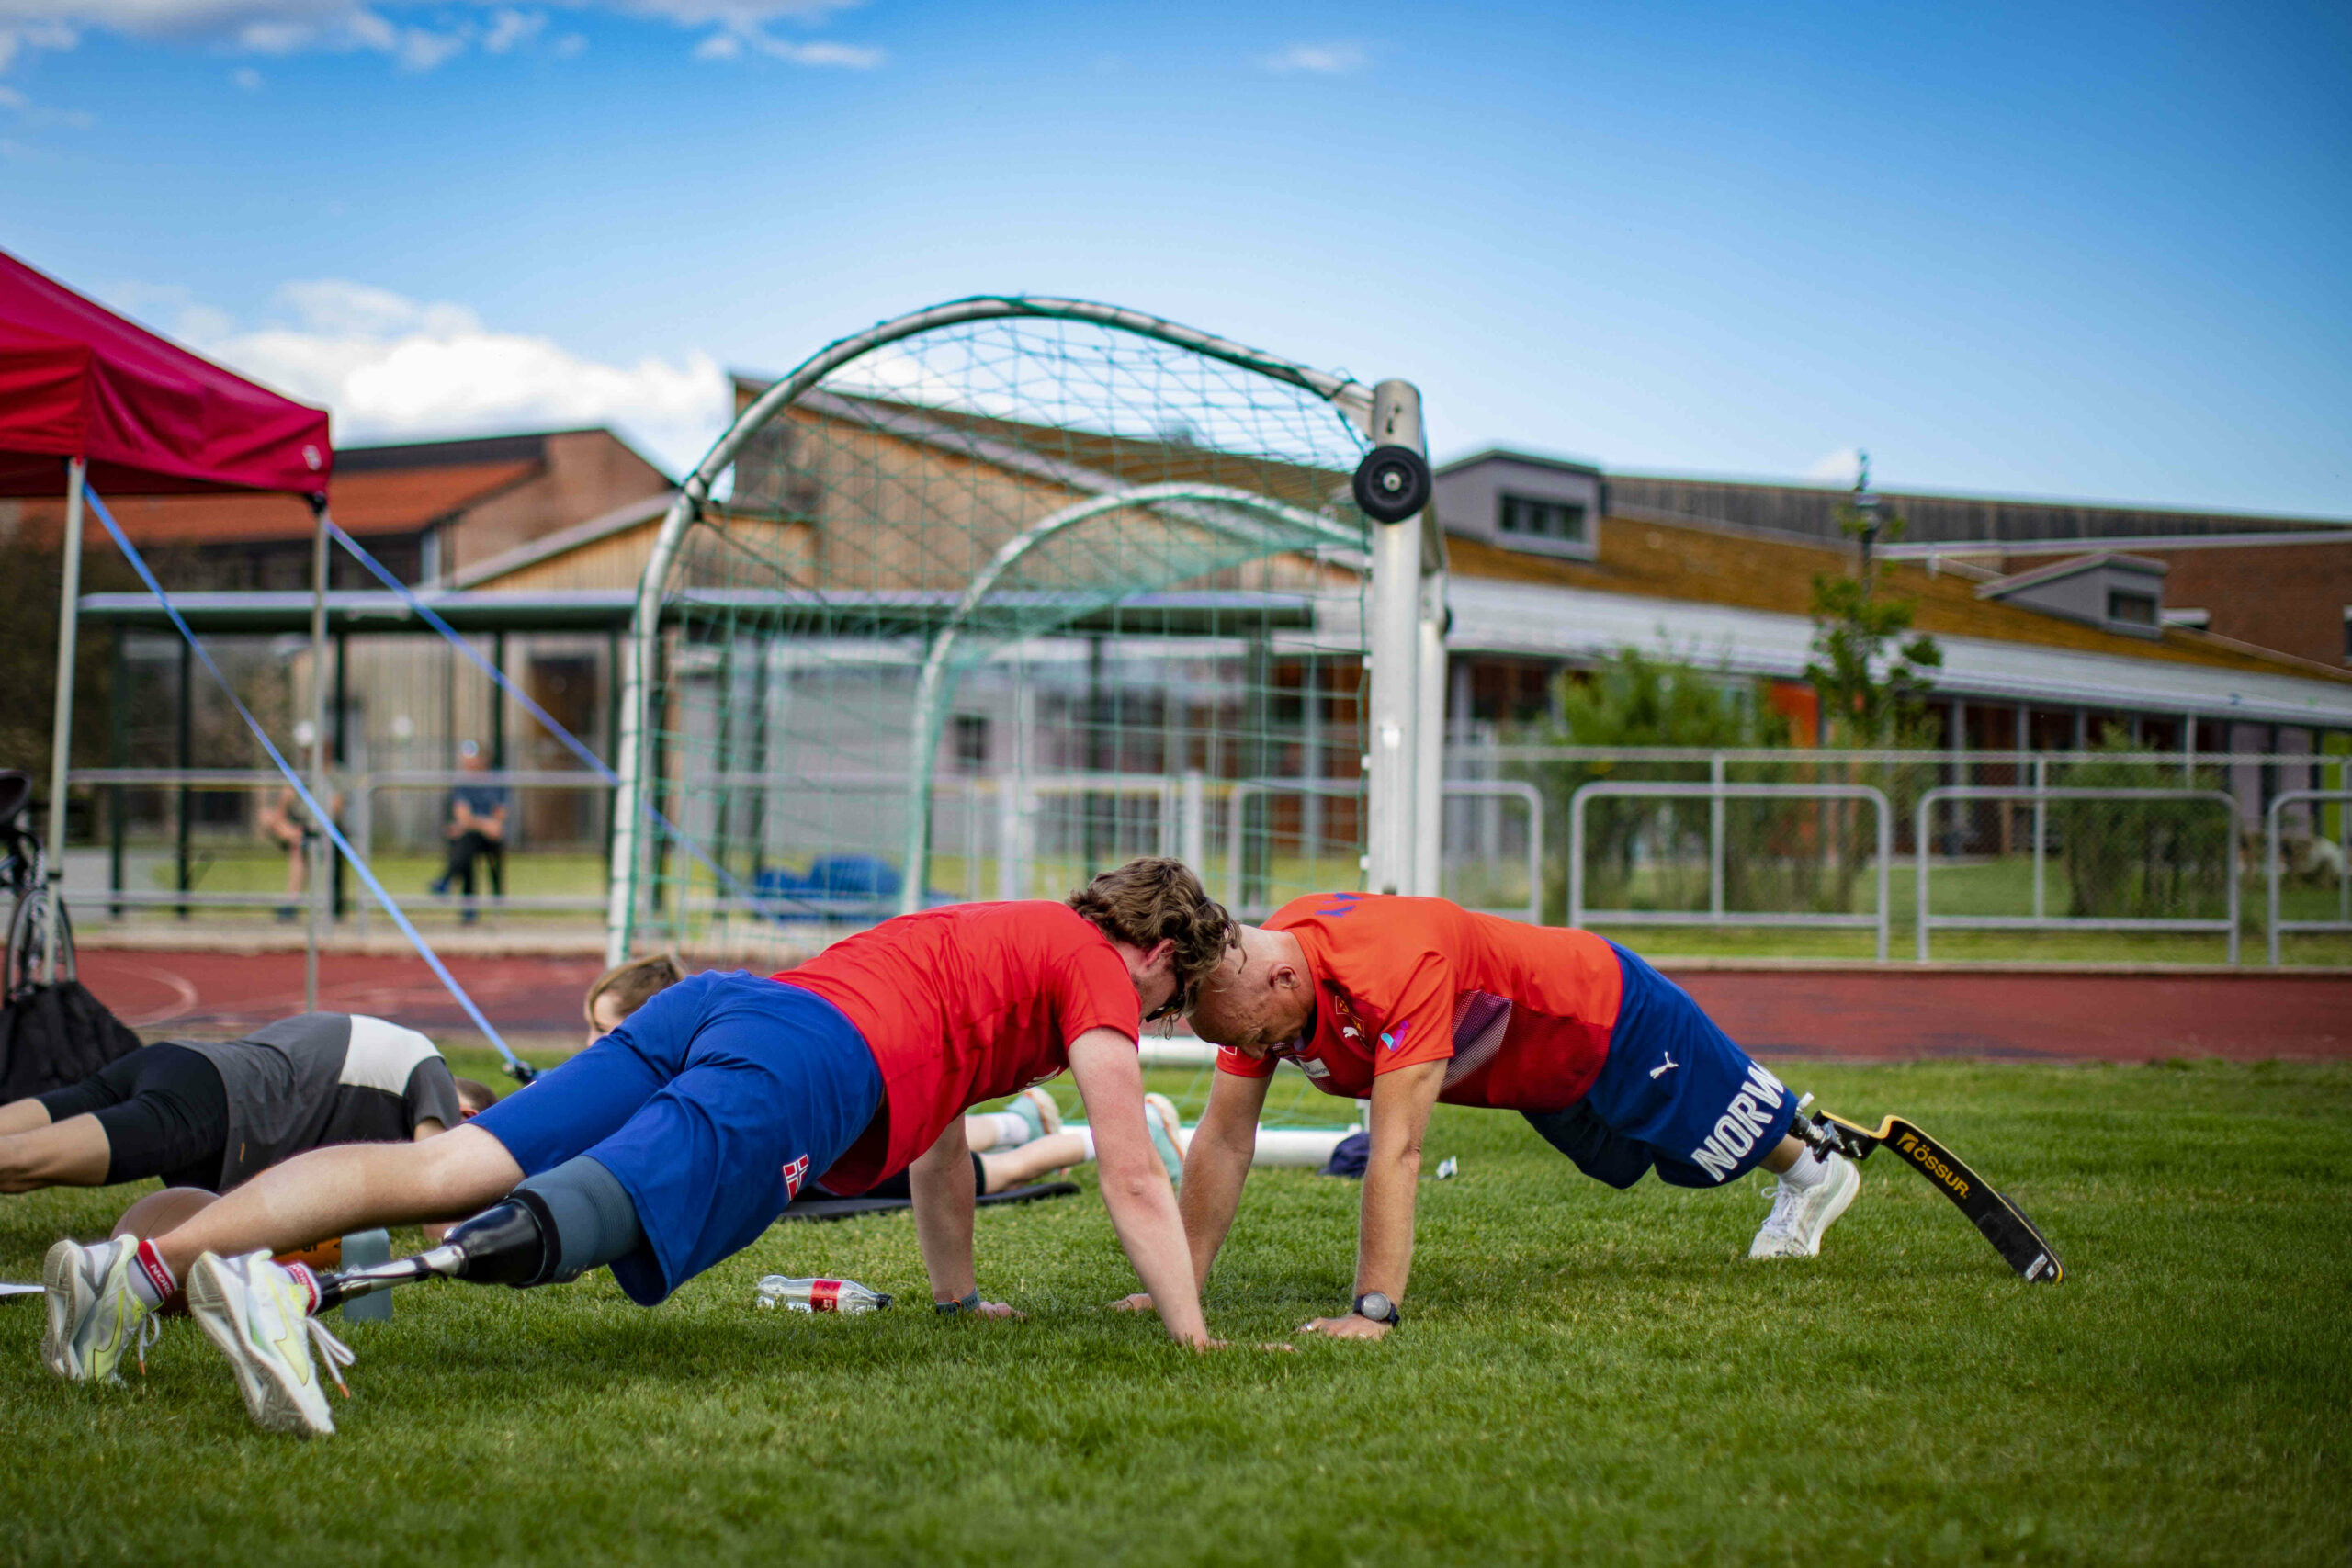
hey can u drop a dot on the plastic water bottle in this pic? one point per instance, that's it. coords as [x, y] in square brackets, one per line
[818, 1295]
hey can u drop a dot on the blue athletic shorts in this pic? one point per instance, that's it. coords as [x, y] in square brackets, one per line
[1676, 1094]
[716, 1102]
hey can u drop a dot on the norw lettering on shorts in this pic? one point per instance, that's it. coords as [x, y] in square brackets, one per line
[1746, 1119]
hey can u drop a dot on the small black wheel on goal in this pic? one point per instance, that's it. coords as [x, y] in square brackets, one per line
[1392, 483]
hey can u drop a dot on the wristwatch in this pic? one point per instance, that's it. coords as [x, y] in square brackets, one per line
[1378, 1308]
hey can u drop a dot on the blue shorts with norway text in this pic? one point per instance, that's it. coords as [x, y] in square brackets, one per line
[1676, 1094]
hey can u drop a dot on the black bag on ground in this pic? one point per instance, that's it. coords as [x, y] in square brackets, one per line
[54, 1035]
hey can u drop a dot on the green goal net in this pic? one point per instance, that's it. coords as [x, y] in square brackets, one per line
[991, 605]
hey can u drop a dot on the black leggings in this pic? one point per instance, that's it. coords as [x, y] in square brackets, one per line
[163, 1111]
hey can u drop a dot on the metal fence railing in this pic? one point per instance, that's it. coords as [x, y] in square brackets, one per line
[2273, 920]
[2008, 841]
[1718, 796]
[2152, 818]
[1528, 795]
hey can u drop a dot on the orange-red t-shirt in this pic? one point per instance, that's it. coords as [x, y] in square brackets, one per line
[962, 1004]
[1521, 1013]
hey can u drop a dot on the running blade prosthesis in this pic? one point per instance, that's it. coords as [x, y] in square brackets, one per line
[1999, 1221]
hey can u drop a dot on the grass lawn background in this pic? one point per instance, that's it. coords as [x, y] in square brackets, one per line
[1584, 1375]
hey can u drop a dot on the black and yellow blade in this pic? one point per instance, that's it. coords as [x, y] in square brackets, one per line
[1999, 1221]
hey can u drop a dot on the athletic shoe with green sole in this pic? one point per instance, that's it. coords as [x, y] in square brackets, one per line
[95, 1317]
[1036, 1108]
[258, 1313]
[1167, 1133]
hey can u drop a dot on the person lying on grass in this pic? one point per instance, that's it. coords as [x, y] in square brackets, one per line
[1415, 1000]
[1011, 1147]
[212, 1113]
[677, 1139]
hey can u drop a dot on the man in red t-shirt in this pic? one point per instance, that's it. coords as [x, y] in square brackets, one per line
[1408, 1001]
[674, 1140]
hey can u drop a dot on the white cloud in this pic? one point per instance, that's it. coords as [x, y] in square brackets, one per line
[731, 41]
[289, 26]
[1839, 467]
[246, 78]
[510, 29]
[389, 367]
[1323, 58]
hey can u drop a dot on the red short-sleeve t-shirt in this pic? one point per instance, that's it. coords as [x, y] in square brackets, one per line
[1520, 1013]
[962, 1004]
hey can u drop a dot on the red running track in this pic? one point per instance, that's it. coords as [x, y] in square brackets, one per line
[1887, 1015]
[1895, 1015]
[227, 993]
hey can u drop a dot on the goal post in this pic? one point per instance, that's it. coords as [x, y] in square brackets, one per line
[1120, 555]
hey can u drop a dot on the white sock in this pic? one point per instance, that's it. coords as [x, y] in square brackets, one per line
[1012, 1130]
[150, 1276]
[1086, 1137]
[1808, 1171]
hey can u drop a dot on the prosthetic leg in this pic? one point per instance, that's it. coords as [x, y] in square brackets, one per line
[2000, 1221]
[549, 1231]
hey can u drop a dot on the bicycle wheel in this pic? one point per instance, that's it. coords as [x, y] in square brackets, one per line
[28, 942]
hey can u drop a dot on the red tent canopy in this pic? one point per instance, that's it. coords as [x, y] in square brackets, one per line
[76, 381]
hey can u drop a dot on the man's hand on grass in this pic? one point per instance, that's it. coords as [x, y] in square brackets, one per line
[1348, 1327]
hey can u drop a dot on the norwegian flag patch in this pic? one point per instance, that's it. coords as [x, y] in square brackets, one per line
[795, 1173]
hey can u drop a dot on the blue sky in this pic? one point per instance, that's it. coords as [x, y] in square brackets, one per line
[2094, 251]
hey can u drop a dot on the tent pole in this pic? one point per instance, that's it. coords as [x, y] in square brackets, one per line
[69, 597]
[314, 850]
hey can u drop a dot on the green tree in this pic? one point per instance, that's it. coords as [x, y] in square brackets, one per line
[1871, 674]
[1638, 698]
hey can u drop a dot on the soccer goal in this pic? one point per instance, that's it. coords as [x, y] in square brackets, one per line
[993, 596]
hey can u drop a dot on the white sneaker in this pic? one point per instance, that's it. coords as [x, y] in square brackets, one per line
[1036, 1108]
[259, 1314]
[1801, 1213]
[93, 1314]
[1167, 1133]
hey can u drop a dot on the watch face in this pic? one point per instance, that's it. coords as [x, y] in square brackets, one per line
[1375, 1306]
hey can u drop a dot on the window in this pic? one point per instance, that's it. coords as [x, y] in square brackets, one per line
[971, 743]
[1527, 519]
[2348, 634]
[2132, 609]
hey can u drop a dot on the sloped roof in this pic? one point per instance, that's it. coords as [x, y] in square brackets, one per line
[367, 503]
[1678, 561]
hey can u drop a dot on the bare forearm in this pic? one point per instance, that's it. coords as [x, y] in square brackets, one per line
[1216, 1169]
[943, 1193]
[1401, 1103]
[1385, 1245]
[1143, 1214]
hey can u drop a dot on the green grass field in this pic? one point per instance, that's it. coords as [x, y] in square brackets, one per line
[1584, 1376]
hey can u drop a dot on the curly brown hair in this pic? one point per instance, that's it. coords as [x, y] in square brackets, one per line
[1156, 899]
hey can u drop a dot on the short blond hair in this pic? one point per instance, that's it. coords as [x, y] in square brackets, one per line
[633, 984]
